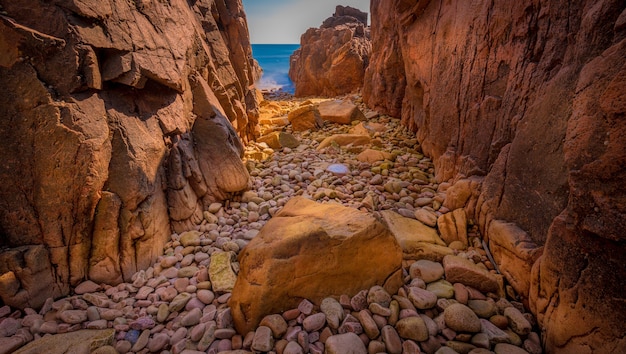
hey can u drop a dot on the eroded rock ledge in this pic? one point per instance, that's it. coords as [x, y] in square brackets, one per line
[520, 105]
[122, 122]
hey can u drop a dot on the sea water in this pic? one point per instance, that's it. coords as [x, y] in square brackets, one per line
[274, 60]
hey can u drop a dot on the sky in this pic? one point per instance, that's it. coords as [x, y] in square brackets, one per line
[284, 21]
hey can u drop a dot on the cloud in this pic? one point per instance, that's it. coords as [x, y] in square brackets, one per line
[284, 21]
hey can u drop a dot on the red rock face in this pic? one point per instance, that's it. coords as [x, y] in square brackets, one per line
[332, 59]
[526, 99]
[120, 122]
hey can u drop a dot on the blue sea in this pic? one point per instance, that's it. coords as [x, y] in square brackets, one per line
[274, 60]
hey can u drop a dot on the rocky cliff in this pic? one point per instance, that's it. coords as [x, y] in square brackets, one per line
[522, 105]
[121, 121]
[331, 60]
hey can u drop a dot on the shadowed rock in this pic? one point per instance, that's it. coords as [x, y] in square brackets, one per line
[126, 121]
[536, 131]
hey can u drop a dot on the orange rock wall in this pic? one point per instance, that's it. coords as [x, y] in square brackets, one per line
[121, 120]
[522, 103]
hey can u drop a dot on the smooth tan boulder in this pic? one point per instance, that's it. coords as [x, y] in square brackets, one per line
[461, 270]
[312, 251]
[305, 117]
[417, 240]
[339, 111]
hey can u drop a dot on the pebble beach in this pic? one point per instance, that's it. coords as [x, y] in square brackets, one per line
[180, 303]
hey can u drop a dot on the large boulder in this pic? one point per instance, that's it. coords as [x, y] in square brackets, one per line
[340, 111]
[417, 240]
[119, 128]
[312, 251]
[332, 59]
[536, 133]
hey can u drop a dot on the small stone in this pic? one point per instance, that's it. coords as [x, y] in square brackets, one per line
[461, 270]
[192, 318]
[421, 298]
[462, 319]
[225, 333]
[142, 341]
[412, 328]
[377, 294]
[460, 293]
[457, 245]
[158, 342]
[427, 217]
[441, 288]
[107, 349]
[532, 344]
[190, 238]
[427, 270]
[391, 339]
[338, 169]
[368, 324]
[163, 312]
[293, 348]
[208, 337]
[378, 309]
[495, 334]
[504, 348]
[179, 302]
[87, 286]
[214, 208]
[460, 347]
[481, 340]
[376, 346]
[348, 343]
[123, 346]
[73, 316]
[9, 326]
[518, 323]
[276, 323]
[143, 323]
[206, 296]
[333, 311]
[187, 272]
[483, 308]
[221, 272]
[314, 322]
[263, 340]
[359, 301]
[306, 307]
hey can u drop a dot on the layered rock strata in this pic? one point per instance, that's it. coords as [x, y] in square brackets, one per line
[522, 106]
[121, 123]
[332, 59]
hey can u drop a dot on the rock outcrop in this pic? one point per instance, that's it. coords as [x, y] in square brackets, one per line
[522, 105]
[312, 251]
[332, 59]
[121, 122]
